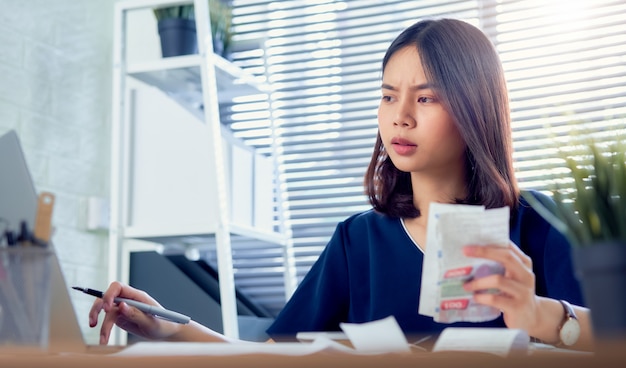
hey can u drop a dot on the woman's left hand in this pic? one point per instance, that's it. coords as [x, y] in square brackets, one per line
[517, 299]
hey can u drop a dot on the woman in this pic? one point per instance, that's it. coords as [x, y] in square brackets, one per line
[444, 136]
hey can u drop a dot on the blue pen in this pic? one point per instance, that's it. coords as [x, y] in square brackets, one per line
[146, 308]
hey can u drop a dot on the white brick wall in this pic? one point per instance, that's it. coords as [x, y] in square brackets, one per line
[55, 88]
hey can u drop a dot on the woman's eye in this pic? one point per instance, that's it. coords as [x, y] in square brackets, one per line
[425, 99]
[387, 98]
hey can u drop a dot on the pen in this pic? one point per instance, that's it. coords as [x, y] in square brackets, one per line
[146, 308]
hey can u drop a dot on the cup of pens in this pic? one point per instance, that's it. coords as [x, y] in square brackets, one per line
[24, 296]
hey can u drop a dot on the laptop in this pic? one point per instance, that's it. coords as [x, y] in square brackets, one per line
[18, 201]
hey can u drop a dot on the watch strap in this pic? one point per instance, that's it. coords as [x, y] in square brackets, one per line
[569, 311]
[568, 315]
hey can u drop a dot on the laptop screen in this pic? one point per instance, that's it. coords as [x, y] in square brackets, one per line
[18, 202]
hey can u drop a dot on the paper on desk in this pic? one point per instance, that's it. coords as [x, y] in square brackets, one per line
[232, 348]
[446, 268]
[499, 341]
[381, 336]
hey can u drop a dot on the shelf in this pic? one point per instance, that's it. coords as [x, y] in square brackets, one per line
[180, 78]
[171, 175]
[197, 233]
[163, 234]
[270, 237]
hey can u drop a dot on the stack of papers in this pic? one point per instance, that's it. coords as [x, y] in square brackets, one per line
[382, 336]
[378, 337]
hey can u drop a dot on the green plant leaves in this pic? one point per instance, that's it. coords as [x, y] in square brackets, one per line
[596, 212]
[182, 11]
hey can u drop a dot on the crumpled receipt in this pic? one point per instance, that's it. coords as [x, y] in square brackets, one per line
[446, 268]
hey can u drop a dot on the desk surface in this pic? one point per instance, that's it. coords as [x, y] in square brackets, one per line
[612, 355]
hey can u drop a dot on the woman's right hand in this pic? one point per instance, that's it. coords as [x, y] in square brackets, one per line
[129, 318]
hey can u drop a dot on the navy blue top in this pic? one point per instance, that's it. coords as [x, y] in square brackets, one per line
[371, 269]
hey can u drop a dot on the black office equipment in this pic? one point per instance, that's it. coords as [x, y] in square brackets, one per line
[205, 276]
[192, 288]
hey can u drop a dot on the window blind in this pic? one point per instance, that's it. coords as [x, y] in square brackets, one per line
[565, 63]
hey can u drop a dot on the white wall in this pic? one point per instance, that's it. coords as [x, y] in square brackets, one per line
[55, 88]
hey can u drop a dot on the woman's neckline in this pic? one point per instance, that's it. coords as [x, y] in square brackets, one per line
[406, 231]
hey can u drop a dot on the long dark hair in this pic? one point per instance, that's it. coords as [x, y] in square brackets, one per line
[464, 65]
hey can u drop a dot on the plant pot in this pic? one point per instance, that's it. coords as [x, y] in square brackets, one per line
[601, 269]
[178, 37]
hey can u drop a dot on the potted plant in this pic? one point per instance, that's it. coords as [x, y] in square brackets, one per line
[591, 213]
[177, 28]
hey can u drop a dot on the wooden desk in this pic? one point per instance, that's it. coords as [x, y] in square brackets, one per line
[612, 355]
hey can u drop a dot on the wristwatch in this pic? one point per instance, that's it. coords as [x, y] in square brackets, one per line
[569, 331]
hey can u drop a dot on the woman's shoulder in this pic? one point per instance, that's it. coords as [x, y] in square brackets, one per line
[526, 211]
[369, 230]
[369, 226]
[368, 219]
[541, 196]
[528, 224]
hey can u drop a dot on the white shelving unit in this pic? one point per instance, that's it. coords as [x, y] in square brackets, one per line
[171, 173]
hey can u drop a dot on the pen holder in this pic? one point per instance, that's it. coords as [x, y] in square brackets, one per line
[24, 296]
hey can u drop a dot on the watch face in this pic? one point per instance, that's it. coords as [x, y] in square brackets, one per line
[570, 332]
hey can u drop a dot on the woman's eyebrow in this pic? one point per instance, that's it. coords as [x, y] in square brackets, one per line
[418, 87]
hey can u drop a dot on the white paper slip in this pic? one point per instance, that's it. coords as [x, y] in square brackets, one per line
[313, 335]
[499, 341]
[430, 271]
[454, 231]
[381, 336]
[232, 348]
[446, 268]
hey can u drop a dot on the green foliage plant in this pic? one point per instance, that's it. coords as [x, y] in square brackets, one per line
[181, 11]
[594, 210]
[220, 13]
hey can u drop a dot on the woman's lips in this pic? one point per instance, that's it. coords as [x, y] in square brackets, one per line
[403, 147]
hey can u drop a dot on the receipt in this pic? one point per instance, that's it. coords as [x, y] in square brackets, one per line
[499, 341]
[383, 335]
[446, 269]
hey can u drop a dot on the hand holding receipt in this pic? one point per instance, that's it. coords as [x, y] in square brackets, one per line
[146, 308]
